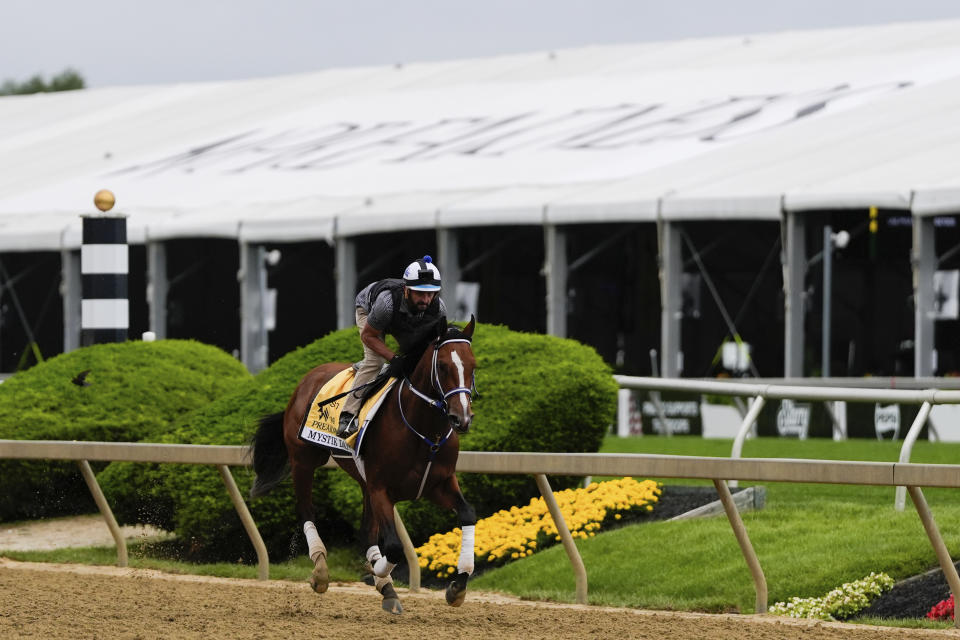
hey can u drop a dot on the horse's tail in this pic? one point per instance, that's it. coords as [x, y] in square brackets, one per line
[270, 461]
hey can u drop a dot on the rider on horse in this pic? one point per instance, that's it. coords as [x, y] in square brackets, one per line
[400, 307]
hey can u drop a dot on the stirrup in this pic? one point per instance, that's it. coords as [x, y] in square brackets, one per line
[346, 430]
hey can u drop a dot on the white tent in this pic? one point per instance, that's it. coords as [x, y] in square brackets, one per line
[736, 127]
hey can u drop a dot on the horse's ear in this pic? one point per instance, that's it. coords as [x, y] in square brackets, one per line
[468, 330]
[441, 327]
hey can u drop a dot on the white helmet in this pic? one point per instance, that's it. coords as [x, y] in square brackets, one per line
[422, 275]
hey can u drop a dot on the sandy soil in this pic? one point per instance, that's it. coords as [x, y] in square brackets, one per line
[77, 601]
[39, 600]
[74, 531]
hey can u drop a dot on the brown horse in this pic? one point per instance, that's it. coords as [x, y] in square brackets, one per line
[409, 450]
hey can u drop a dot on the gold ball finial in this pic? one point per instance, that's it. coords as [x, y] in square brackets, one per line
[104, 200]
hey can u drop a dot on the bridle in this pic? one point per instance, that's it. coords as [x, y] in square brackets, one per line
[440, 404]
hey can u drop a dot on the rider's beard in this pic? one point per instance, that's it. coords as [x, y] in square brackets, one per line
[417, 307]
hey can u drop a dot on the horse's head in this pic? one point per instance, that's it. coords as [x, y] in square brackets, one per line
[452, 371]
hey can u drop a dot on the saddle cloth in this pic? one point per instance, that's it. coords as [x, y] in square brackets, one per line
[320, 425]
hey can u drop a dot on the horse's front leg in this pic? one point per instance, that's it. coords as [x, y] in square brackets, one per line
[449, 496]
[303, 490]
[380, 528]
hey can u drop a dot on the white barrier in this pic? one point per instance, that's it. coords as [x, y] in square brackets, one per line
[762, 391]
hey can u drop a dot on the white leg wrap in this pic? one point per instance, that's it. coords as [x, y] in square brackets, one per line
[465, 563]
[382, 568]
[314, 543]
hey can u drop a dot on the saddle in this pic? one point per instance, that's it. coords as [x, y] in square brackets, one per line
[321, 421]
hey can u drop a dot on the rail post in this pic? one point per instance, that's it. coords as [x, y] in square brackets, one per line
[906, 449]
[105, 510]
[571, 548]
[740, 531]
[409, 552]
[748, 421]
[936, 540]
[263, 559]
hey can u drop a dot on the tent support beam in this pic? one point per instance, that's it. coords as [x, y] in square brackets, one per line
[346, 276]
[671, 297]
[158, 287]
[793, 258]
[448, 253]
[253, 293]
[555, 271]
[924, 262]
[70, 286]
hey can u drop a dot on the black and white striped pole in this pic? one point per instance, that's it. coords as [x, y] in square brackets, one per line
[104, 308]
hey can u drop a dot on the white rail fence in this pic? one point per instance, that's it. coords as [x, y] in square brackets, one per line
[719, 470]
[760, 393]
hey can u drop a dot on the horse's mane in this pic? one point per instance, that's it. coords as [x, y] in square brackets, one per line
[429, 335]
[412, 357]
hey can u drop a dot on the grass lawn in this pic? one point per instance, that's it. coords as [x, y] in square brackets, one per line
[809, 539]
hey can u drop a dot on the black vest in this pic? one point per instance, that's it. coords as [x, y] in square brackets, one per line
[407, 329]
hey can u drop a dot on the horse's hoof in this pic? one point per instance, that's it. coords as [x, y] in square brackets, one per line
[391, 601]
[320, 579]
[392, 605]
[457, 590]
[455, 598]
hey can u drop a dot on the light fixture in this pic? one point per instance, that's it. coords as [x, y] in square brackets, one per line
[841, 239]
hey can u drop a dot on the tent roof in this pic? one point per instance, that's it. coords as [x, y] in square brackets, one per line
[732, 127]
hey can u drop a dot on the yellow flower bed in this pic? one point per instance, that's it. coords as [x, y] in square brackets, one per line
[519, 531]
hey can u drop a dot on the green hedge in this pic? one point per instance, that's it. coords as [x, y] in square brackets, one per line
[135, 391]
[191, 499]
[538, 393]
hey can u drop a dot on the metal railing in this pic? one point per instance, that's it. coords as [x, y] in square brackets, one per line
[762, 391]
[719, 470]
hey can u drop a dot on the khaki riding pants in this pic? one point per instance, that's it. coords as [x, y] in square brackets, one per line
[369, 368]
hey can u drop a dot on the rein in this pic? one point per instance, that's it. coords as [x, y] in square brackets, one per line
[441, 405]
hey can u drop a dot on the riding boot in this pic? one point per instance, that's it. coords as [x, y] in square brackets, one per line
[348, 425]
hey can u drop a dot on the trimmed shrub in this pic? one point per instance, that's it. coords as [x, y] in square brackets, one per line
[538, 393]
[132, 391]
[191, 499]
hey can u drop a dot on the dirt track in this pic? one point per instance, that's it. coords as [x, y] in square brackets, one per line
[74, 601]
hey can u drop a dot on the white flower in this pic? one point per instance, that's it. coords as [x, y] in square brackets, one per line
[845, 600]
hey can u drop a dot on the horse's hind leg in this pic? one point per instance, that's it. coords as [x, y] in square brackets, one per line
[303, 489]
